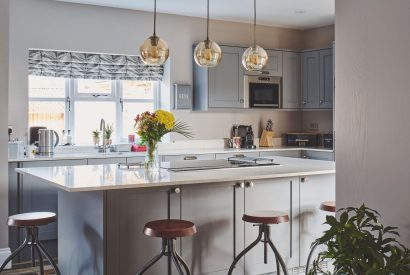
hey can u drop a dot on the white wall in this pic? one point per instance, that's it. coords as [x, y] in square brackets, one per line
[4, 75]
[49, 24]
[372, 108]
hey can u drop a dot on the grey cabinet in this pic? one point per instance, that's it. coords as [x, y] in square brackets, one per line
[319, 155]
[313, 191]
[283, 153]
[98, 161]
[128, 249]
[221, 86]
[317, 79]
[211, 207]
[326, 79]
[278, 195]
[274, 66]
[291, 80]
[310, 80]
[233, 154]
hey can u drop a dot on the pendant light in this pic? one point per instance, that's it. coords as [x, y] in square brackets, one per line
[255, 57]
[207, 53]
[154, 50]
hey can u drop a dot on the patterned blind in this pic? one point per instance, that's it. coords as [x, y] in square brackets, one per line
[91, 66]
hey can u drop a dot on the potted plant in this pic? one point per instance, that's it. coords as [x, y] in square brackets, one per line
[96, 137]
[358, 244]
[151, 127]
[109, 130]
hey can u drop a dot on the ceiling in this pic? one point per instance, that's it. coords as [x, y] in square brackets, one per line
[296, 14]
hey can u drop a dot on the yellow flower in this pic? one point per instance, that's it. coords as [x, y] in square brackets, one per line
[166, 118]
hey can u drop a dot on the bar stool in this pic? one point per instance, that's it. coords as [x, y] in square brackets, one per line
[31, 222]
[263, 219]
[328, 206]
[169, 230]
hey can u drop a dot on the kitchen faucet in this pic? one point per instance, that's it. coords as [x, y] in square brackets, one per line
[102, 129]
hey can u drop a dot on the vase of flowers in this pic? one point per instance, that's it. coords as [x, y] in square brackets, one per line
[151, 127]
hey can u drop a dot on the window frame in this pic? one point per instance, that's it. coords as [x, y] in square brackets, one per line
[72, 96]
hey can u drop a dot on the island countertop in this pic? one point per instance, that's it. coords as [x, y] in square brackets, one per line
[108, 177]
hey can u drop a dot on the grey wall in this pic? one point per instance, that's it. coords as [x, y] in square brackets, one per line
[372, 108]
[49, 24]
[4, 80]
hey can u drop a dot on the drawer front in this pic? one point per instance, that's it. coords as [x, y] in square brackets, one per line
[233, 154]
[290, 154]
[106, 161]
[189, 157]
[318, 155]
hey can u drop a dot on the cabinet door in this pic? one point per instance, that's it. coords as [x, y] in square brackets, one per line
[226, 80]
[211, 207]
[274, 65]
[38, 196]
[279, 195]
[313, 191]
[318, 155]
[291, 80]
[310, 79]
[128, 249]
[189, 157]
[326, 79]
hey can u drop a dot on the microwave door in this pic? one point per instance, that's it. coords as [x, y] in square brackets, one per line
[264, 95]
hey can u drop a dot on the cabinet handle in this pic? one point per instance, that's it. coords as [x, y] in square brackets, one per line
[176, 190]
[304, 102]
[249, 184]
[240, 185]
[190, 158]
[304, 180]
[321, 101]
[241, 100]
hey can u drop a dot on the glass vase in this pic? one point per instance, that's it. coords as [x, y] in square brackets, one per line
[151, 156]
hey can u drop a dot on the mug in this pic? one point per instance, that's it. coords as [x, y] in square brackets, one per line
[236, 142]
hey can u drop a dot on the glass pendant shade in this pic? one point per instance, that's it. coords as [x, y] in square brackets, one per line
[254, 58]
[154, 51]
[207, 54]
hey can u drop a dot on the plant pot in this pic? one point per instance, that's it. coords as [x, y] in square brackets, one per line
[108, 142]
[96, 141]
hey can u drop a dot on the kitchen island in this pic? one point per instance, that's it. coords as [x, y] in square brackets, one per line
[102, 210]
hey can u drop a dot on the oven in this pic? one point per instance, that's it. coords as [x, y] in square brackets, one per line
[263, 91]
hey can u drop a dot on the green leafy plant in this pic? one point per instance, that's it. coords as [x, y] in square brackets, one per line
[358, 244]
[96, 133]
[109, 130]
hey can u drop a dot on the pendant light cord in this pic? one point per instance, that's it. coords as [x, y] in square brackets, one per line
[254, 23]
[207, 21]
[155, 17]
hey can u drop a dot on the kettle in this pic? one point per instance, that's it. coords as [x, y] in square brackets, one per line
[46, 142]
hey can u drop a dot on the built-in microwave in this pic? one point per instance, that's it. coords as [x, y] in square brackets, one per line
[263, 91]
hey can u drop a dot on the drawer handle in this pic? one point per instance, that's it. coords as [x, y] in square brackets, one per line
[240, 185]
[304, 180]
[239, 156]
[190, 158]
[176, 190]
[250, 184]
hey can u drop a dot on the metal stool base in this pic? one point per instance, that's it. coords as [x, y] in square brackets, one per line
[168, 250]
[264, 232]
[33, 242]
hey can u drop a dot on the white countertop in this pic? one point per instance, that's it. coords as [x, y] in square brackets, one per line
[109, 177]
[167, 152]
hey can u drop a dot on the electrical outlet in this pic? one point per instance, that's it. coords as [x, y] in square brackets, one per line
[314, 126]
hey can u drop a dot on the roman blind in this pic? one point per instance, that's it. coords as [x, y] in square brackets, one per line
[91, 66]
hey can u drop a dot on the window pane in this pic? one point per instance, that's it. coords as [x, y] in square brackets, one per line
[134, 89]
[48, 114]
[87, 118]
[94, 86]
[131, 110]
[40, 86]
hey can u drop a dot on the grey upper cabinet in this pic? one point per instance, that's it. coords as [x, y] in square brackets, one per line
[221, 86]
[326, 79]
[310, 80]
[291, 80]
[317, 79]
[274, 66]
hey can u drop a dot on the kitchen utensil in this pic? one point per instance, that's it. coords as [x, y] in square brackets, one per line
[46, 141]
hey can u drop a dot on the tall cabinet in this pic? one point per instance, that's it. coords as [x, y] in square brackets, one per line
[291, 80]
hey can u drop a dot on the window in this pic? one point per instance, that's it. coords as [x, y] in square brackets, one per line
[79, 105]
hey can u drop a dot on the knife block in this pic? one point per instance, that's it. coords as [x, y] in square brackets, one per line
[266, 139]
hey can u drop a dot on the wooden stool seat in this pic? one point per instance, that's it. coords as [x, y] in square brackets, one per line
[31, 219]
[329, 206]
[169, 228]
[266, 217]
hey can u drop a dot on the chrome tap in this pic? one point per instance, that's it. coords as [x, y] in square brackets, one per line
[102, 129]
